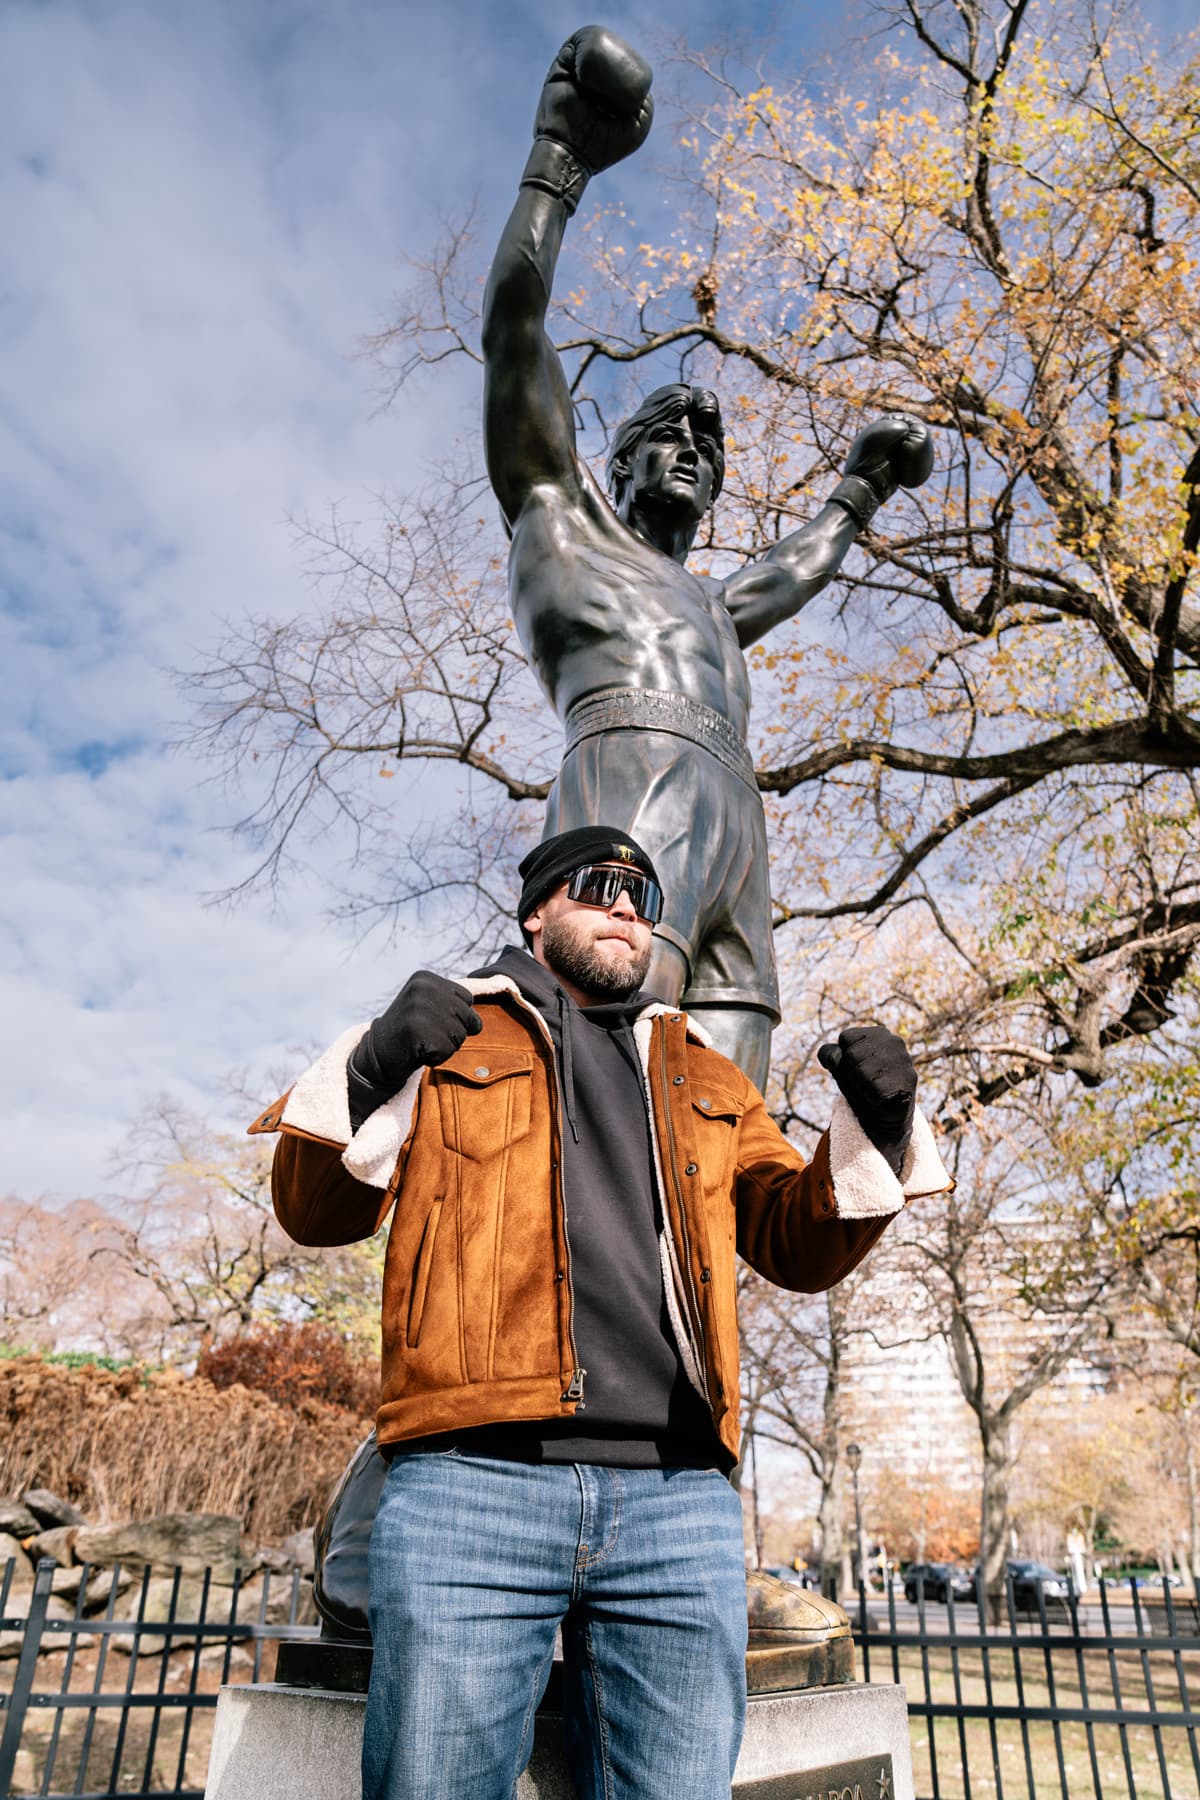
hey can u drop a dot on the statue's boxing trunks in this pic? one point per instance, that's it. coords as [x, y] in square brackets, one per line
[679, 779]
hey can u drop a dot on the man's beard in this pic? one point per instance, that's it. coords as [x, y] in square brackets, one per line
[571, 953]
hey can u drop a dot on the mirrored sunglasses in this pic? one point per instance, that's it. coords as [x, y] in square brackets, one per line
[598, 884]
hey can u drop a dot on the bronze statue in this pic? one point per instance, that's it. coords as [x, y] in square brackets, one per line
[643, 662]
[641, 659]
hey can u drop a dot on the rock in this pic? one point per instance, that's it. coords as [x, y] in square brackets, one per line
[21, 1580]
[58, 1544]
[299, 1549]
[66, 1583]
[17, 1607]
[192, 1542]
[164, 1603]
[17, 1521]
[49, 1510]
[279, 1601]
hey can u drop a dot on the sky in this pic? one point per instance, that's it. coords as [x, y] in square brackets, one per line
[206, 208]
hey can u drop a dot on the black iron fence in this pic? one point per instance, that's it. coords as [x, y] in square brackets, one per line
[108, 1682]
[1064, 1697]
[108, 1679]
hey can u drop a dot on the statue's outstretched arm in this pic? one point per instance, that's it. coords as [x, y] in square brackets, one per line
[893, 452]
[595, 108]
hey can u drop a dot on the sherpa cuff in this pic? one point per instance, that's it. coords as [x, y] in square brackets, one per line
[864, 1186]
[319, 1104]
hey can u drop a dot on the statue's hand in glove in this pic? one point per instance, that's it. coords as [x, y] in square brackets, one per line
[595, 109]
[891, 452]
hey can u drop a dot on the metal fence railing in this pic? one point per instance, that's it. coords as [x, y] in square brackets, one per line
[1061, 1698]
[112, 1693]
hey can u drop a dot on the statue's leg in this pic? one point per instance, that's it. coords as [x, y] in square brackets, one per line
[668, 973]
[742, 1033]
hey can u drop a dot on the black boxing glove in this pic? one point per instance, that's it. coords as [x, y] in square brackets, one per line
[872, 1067]
[891, 452]
[427, 1022]
[594, 110]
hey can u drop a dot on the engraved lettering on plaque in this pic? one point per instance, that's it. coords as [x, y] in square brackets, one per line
[863, 1778]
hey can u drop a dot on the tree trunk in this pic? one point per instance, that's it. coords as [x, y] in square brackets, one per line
[830, 1520]
[1193, 1483]
[994, 1525]
[848, 1588]
[757, 1513]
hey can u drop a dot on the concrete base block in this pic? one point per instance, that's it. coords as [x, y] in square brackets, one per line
[277, 1743]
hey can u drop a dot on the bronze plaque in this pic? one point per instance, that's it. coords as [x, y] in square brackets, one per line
[866, 1778]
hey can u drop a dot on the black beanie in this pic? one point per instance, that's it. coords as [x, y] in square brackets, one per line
[548, 866]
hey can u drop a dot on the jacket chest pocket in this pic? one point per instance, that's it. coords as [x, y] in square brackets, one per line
[483, 1099]
[716, 1115]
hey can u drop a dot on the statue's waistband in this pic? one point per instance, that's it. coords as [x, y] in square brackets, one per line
[652, 709]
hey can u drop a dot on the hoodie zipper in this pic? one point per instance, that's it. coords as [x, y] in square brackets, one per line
[697, 1326]
[574, 1389]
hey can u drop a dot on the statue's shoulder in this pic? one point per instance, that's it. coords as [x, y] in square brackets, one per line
[574, 510]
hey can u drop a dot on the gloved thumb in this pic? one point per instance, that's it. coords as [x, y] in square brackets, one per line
[829, 1056]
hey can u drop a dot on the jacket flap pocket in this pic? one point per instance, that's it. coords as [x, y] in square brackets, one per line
[484, 1099]
[480, 1068]
[713, 1102]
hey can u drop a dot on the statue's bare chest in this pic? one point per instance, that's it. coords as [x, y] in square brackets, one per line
[594, 607]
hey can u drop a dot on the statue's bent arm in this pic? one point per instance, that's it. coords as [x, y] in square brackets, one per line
[529, 422]
[782, 582]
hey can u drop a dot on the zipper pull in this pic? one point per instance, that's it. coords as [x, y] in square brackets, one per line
[575, 1391]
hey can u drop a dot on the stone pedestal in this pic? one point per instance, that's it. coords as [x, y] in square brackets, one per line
[279, 1743]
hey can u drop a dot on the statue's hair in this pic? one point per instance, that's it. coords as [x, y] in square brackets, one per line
[677, 400]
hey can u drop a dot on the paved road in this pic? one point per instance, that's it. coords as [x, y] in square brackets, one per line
[1091, 1617]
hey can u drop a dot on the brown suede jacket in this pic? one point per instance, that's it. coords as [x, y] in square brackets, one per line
[477, 1292]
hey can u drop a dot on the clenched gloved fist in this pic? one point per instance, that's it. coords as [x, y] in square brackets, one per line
[595, 109]
[872, 1067]
[892, 452]
[427, 1022]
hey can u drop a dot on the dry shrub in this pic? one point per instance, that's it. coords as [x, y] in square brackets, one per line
[125, 1444]
[294, 1363]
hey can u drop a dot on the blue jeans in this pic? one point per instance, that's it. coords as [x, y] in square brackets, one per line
[475, 1563]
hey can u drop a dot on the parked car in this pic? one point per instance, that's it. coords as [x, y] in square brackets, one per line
[805, 1578]
[1144, 1578]
[938, 1581]
[1028, 1578]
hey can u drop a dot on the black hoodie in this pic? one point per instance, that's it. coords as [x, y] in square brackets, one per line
[639, 1410]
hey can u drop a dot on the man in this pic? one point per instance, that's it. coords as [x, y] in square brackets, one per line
[574, 1170]
[641, 659]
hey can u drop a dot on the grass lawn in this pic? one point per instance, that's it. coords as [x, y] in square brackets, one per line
[954, 1760]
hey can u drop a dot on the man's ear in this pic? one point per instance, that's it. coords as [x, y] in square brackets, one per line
[533, 924]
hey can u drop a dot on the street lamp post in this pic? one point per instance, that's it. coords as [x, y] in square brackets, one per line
[854, 1457]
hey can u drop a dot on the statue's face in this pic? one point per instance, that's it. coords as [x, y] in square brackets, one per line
[674, 466]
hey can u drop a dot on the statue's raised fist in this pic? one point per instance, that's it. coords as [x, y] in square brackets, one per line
[596, 99]
[892, 452]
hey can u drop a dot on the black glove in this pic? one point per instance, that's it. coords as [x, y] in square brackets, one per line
[595, 109]
[872, 1067]
[427, 1022]
[891, 452]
